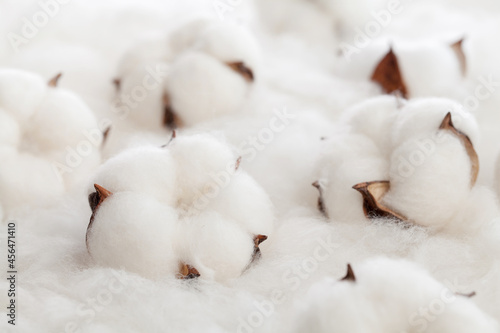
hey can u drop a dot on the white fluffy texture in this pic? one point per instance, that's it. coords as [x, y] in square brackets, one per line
[194, 74]
[428, 67]
[192, 205]
[201, 88]
[430, 180]
[138, 166]
[375, 118]
[429, 169]
[45, 132]
[350, 160]
[392, 296]
[423, 117]
[134, 231]
[301, 72]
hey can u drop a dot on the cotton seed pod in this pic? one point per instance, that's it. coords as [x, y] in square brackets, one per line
[429, 179]
[430, 68]
[133, 170]
[201, 88]
[423, 116]
[252, 209]
[393, 296]
[202, 161]
[215, 240]
[420, 69]
[134, 232]
[375, 118]
[21, 93]
[351, 160]
[230, 45]
[50, 139]
[141, 94]
[219, 249]
[204, 69]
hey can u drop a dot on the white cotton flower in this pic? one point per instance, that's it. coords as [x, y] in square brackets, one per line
[202, 88]
[424, 116]
[138, 166]
[49, 139]
[375, 118]
[201, 70]
[229, 44]
[216, 212]
[429, 68]
[388, 296]
[351, 159]
[430, 179]
[138, 235]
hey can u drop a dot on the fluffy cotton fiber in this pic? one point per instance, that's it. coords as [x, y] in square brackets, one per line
[391, 296]
[50, 140]
[194, 204]
[303, 91]
[194, 76]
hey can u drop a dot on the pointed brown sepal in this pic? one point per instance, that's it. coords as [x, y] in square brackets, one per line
[259, 239]
[372, 193]
[457, 47]
[242, 69]
[238, 163]
[321, 203]
[447, 124]
[256, 250]
[118, 84]
[53, 82]
[388, 75]
[187, 272]
[170, 118]
[469, 295]
[174, 135]
[105, 135]
[349, 275]
[95, 200]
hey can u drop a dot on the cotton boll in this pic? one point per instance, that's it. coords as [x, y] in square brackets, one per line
[185, 35]
[353, 159]
[360, 64]
[10, 133]
[141, 95]
[149, 49]
[424, 116]
[429, 69]
[199, 160]
[21, 93]
[375, 118]
[202, 88]
[230, 43]
[430, 179]
[242, 200]
[220, 249]
[135, 232]
[391, 295]
[62, 120]
[148, 170]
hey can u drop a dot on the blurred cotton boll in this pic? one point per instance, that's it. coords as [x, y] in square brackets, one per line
[202, 69]
[392, 296]
[50, 140]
